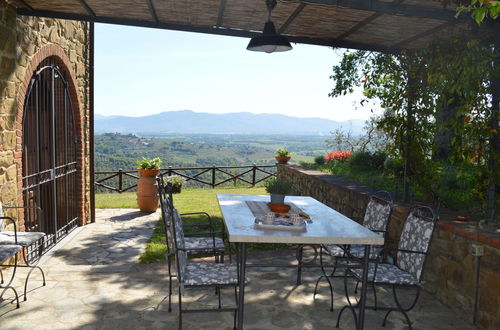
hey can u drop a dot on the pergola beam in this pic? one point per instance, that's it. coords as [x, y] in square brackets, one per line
[402, 44]
[222, 9]
[24, 3]
[87, 7]
[388, 8]
[200, 29]
[290, 19]
[152, 10]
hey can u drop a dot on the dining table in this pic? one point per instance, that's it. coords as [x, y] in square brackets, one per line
[324, 226]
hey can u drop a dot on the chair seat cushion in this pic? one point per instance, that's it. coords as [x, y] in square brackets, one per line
[23, 238]
[206, 273]
[199, 245]
[7, 251]
[357, 251]
[387, 273]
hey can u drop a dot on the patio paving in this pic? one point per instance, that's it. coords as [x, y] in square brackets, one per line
[94, 281]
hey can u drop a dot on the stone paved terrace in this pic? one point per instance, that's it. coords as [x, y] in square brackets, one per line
[94, 281]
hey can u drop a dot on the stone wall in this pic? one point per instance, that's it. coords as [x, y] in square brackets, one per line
[450, 272]
[24, 43]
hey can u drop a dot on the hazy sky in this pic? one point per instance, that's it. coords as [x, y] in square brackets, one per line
[141, 71]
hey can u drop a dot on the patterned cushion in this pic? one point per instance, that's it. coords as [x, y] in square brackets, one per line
[416, 236]
[377, 215]
[179, 245]
[205, 273]
[203, 244]
[23, 238]
[357, 251]
[7, 251]
[386, 273]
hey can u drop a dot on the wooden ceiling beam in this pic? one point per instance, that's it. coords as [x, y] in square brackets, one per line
[292, 17]
[387, 8]
[25, 4]
[89, 10]
[364, 23]
[210, 30]
[152, 10]
[220, 16]
[440, 27]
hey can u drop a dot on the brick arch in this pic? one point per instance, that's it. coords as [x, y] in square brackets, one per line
[50, 50]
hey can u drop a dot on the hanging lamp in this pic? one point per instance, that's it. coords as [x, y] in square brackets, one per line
[269, 41]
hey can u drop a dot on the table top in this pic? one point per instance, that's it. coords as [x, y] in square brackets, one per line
[328, 226]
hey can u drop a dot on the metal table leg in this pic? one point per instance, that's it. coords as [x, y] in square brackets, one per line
[364, 288]
[241, 294]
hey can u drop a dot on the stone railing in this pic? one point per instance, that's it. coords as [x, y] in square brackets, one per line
[451, 270]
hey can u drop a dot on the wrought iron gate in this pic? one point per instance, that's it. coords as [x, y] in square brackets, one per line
[50, 154]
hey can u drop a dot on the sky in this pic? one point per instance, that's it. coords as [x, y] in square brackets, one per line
[142, 71]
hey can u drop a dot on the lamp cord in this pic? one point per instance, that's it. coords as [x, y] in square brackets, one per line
[270, 6]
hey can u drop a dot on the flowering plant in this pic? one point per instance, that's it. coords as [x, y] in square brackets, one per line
[341, 156]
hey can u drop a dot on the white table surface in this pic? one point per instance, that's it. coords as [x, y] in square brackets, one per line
[328, 226]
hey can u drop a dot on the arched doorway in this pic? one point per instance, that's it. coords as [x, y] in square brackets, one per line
[49, 163]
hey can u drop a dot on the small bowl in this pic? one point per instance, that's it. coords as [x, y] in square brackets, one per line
[279, 208]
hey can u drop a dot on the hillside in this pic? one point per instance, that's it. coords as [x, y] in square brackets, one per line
[114, 151]
[189, 122]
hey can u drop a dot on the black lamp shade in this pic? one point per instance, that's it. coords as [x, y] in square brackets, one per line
[269, 41]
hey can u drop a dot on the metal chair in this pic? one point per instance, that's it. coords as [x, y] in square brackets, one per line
[28, 241]
[201, 274]
[377, 216]
[195, 245]
[8, 252]
[408, 263]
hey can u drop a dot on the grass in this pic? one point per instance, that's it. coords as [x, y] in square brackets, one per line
[189, 200]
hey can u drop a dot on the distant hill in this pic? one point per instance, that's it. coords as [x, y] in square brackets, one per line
[190, 122]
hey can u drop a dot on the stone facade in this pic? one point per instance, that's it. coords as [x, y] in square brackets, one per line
[24, 43]
[450, 272]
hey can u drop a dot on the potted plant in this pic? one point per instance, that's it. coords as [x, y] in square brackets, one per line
[176, 182]
[147, 187]
[282, 155]
[278, 188]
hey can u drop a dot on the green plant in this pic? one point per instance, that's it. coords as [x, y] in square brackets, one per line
[149, 163]
[175, 180]
[278, 186]
[394, 166]
[319, 160]
[282, 152]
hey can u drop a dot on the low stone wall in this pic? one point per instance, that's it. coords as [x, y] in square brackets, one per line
[450, 273]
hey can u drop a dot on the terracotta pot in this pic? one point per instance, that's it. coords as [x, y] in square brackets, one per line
[147, 190]
[282, 159]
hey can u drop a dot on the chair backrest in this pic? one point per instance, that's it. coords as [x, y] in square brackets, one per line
[378, 211]
[416, 236]
[167, 207]
[179, 246]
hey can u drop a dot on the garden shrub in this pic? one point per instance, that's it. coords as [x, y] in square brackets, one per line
[319, 160]
[394, 166]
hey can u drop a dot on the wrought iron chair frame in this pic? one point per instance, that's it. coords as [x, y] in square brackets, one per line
[177, 221]
[381, 196]
[167, 208]
[392, 252]
[13, 252]
[28, 262]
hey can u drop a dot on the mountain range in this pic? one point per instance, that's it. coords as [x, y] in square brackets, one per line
[190, 122]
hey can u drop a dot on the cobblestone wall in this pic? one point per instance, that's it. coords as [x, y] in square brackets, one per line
[25, 42]
[450, 273]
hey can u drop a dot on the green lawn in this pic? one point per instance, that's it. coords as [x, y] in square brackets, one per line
[189, 200]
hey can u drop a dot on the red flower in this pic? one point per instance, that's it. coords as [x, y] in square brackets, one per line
[341, 156]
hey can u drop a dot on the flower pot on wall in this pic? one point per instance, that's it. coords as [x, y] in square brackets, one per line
[147, 190]
[282, 159]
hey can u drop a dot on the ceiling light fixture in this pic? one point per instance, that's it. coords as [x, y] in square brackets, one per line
[269, 41]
